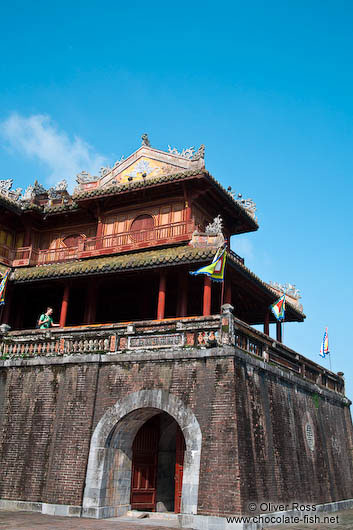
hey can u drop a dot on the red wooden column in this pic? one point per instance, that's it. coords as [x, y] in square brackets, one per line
[161, 296]
[279, 331]
[64, 306]
[182, 309]
[207, 288]
[267, 323]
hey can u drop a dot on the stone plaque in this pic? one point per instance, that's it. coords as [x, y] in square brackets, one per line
[156, 341]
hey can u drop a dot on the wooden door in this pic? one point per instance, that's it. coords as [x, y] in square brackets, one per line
[144, 467]
[179, 465]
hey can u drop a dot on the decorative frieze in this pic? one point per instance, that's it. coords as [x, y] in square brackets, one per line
[156, 341]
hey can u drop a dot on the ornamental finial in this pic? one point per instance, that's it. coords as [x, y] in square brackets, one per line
[145, 140]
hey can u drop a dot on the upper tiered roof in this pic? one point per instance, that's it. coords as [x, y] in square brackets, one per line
[159, 172]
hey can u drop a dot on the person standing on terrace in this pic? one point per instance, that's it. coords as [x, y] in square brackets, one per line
[46, 320]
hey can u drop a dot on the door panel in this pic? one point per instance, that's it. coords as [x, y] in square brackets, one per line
[144, 467]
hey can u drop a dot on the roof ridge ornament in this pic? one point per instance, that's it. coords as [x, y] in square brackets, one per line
[215, 227]
[188, 153]
[248, 204]
[288, 288]
[145, 140]
[7, 191]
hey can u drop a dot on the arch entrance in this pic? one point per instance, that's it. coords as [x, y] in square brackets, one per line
[118, 472]
[157, 465]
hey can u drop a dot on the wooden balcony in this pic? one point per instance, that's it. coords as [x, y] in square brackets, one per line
[171, 337]
[100, 246]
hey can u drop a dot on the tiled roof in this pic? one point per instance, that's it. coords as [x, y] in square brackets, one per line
[9, 203]
[133, 261]
[145, 183]
[140, 260]
[129, 186]
[121, 188]
[239, 265]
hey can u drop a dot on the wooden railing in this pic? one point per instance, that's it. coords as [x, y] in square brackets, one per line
[97, 246]
[6, 254]
[173, 334]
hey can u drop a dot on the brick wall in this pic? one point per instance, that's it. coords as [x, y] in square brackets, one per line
[252, 421]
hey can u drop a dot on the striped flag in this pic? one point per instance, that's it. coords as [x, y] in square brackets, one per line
[215, 270]
[279, 307]
[324, 350]
[3, 287]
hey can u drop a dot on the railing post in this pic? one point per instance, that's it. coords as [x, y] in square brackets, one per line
[227, 325]
[161, 296]
[207, 293]
[64, 306]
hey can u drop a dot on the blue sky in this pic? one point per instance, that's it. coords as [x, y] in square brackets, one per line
[266, 86]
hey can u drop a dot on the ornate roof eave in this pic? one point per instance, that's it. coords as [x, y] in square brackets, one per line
[10, 205]
[137, 261]
[116, 189]
[104, 265]
[264, 286]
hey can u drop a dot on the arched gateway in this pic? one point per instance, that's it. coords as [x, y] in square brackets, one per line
[108, 478]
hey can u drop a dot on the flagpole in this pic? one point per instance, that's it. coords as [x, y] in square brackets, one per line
[223, 282]
[282, 331]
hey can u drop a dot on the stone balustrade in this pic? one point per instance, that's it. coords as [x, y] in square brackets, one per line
[176, 333]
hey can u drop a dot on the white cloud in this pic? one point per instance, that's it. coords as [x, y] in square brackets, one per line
[38, 137]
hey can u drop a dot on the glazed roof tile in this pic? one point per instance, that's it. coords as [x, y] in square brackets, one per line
[115, 189]
[145, 183]
[139, 260]
[131, 261]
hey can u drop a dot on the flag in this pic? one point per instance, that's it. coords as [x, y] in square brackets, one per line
[3, 287]
[324, 350]
[215, 270]
[279, 307]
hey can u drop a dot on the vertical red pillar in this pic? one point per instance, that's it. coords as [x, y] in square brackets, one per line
[267, 323]
[161, 296]
[207, 288]
[279, 331]
[182, 308]
[64, 306]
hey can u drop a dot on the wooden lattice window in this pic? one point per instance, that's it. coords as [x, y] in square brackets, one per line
[72, 240]
[142, 227]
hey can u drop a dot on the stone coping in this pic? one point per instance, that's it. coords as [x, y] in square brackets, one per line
[182, 354]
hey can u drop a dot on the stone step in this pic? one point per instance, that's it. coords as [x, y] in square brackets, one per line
[152, 515]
